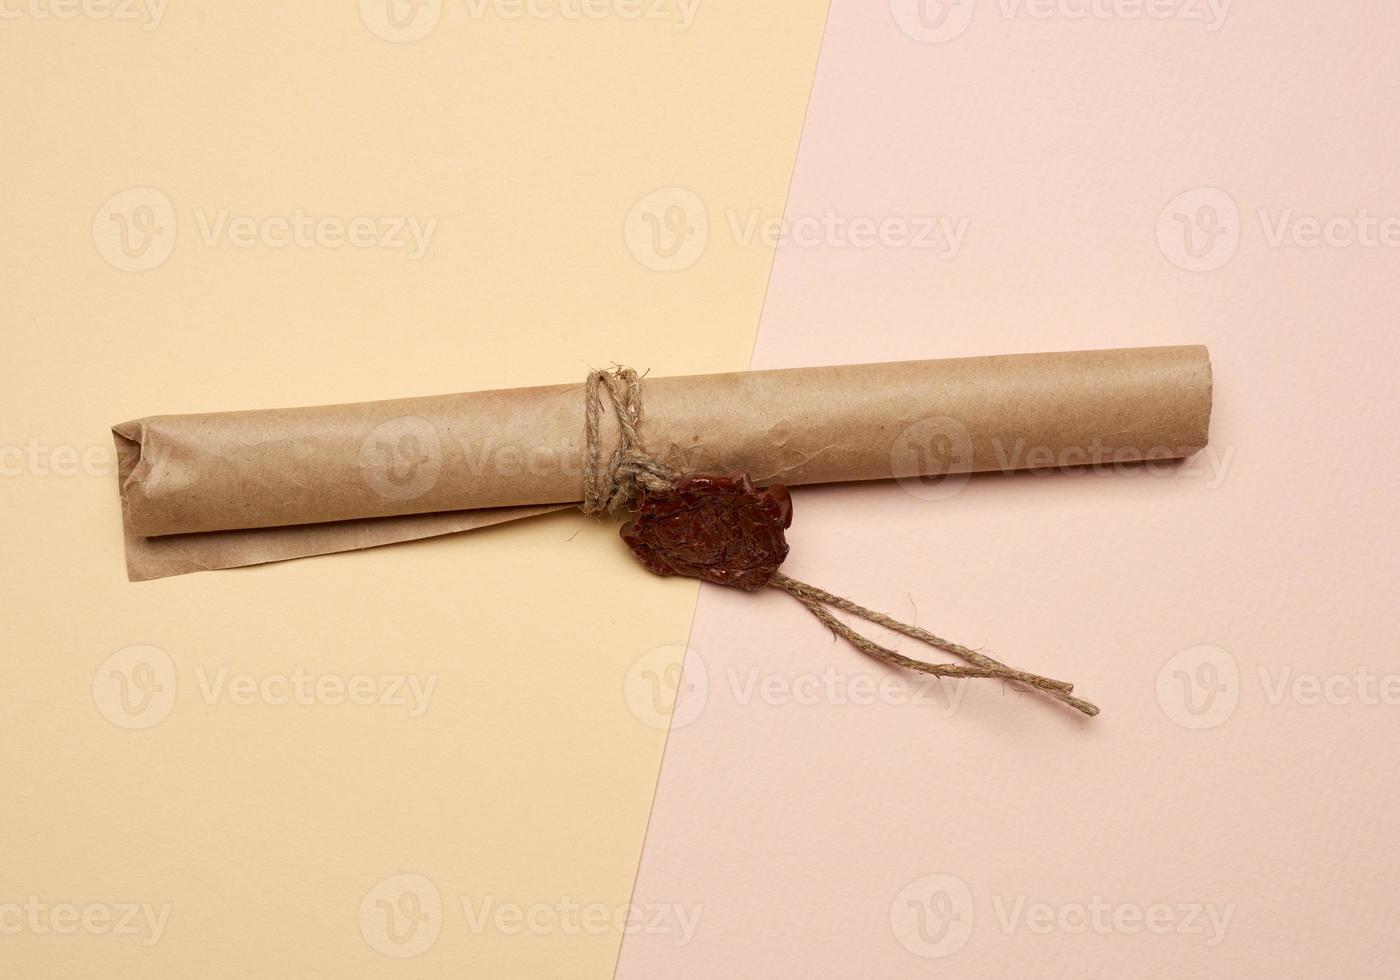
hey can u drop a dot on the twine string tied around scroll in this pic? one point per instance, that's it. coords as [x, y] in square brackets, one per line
[631, 469]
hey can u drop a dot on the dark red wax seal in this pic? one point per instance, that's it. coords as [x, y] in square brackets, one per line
[717, 528]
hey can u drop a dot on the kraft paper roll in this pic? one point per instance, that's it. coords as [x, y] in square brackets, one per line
[236, 488]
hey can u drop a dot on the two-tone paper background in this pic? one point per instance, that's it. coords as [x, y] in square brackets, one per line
[439, 758]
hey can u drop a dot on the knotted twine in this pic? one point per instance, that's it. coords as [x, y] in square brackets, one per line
[631, 469]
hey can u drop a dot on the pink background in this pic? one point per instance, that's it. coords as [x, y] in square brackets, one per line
[1199, 607]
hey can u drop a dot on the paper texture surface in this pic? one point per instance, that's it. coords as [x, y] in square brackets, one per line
[206, 745]
[242, 487]
[1232, 810]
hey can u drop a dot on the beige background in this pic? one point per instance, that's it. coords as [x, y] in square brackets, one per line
[534, 148]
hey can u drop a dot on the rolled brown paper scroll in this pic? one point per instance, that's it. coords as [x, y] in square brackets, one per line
[238, 488]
